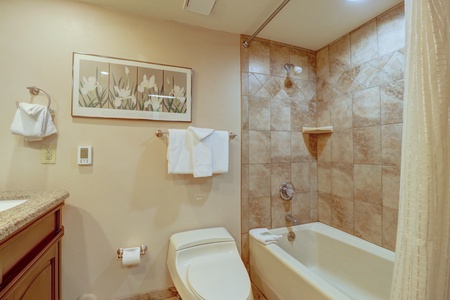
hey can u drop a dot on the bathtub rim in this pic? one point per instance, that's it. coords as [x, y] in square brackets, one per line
[340, 235]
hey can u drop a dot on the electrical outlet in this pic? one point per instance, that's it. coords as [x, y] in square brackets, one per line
[48, 154]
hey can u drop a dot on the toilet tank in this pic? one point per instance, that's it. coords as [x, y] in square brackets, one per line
[193, 238]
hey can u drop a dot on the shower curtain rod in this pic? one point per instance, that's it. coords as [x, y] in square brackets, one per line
[246, 44]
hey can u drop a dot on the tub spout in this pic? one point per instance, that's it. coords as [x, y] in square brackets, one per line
[291, 219]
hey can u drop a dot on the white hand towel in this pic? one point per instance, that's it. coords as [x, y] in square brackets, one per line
[179, 152]
[264, 236]
[33, 121]
[202, 163]
[220, 141]
[200, 133]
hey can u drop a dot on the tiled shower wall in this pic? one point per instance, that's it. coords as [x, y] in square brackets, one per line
[273, 147]
[360, 93]
[348, 179]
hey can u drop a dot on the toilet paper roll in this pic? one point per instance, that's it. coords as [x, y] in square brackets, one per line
[131, 256]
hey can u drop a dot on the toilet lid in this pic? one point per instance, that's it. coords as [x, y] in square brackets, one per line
[219, 277]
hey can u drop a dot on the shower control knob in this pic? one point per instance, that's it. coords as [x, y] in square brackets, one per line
[287, 191]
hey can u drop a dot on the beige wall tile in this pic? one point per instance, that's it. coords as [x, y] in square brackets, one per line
[342, 180]
[245, 249]
[260, 212]
[324, 177]
[313, 176]
[303, 147]
[244, 84]
[300, 174]
[259, 57]
[324, 147]
[302, 114]
[244, 215]
[259, 147]
[254, 85]
[364, 46]
[390, 220]
[279, 210]
[244, 147]
[394, 68]
[259, 113]
[279, 56]
[367, 145]
[280, 115]
[391, 95]
[367, 183]
[244, 112]
[391, 136]
[325, 207]
[391, 30]
[341, 112]
[279, 173]
[258, 180]
[244, 180]
[273, 86]
[339, 57]
[390, 177]
[342, 146]
[342, 214]
[366, 107]
[323, 63]
[368, 222]
[301, 206]
[280, 146]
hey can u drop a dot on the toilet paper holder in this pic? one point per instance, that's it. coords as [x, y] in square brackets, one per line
[120, 251]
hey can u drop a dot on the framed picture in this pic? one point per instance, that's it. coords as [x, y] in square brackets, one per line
[106, 87]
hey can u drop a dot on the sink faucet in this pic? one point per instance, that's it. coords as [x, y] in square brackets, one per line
[291, 219]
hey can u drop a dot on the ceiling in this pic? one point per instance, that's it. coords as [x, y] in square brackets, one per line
[310, 24]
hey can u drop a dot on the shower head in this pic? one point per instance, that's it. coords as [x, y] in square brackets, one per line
[289, 68]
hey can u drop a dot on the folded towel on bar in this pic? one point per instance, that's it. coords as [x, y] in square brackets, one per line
[33, 121]
[264, 236]
[186, 154]
[179, 152]
[202, 161]
[200, 133]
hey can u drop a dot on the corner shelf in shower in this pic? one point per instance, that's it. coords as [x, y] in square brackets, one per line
[317, 130]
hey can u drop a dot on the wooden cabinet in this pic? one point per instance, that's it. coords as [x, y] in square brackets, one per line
[30, 260]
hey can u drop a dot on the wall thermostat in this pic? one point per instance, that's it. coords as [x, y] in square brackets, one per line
[85, 155]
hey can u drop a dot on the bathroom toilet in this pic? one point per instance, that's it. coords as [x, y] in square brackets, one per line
[205, 265]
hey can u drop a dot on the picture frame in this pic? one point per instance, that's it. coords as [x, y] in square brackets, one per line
[108, 87]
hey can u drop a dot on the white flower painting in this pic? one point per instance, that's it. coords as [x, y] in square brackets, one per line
[116, 88]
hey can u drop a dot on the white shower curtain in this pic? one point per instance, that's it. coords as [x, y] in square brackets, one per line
[422, 265]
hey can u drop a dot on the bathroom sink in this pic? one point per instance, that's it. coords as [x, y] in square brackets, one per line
[10, 203]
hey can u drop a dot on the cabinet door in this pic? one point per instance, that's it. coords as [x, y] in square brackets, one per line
[41, 282]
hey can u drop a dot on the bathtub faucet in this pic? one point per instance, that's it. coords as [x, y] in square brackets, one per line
[291, 219]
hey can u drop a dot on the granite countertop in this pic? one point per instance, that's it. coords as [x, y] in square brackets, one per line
[39, 202]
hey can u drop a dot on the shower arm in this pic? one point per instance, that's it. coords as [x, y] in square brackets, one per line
[246, 43]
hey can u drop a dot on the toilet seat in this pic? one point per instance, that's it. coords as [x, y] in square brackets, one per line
[219, 277]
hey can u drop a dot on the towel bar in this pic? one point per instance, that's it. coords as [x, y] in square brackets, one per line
[159, 133]
[35, 91]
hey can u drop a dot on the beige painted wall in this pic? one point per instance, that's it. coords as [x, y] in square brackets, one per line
[126, 197]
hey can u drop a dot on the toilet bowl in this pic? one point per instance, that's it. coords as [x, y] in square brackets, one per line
[205, 265]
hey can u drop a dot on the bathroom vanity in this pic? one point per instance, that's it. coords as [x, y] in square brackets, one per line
[30, 245]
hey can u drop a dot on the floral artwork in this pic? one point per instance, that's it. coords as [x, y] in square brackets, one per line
[115, 88]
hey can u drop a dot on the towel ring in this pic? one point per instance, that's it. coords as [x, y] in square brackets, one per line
[35, 91]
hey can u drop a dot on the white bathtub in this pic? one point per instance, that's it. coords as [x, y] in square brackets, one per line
[322, 263]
